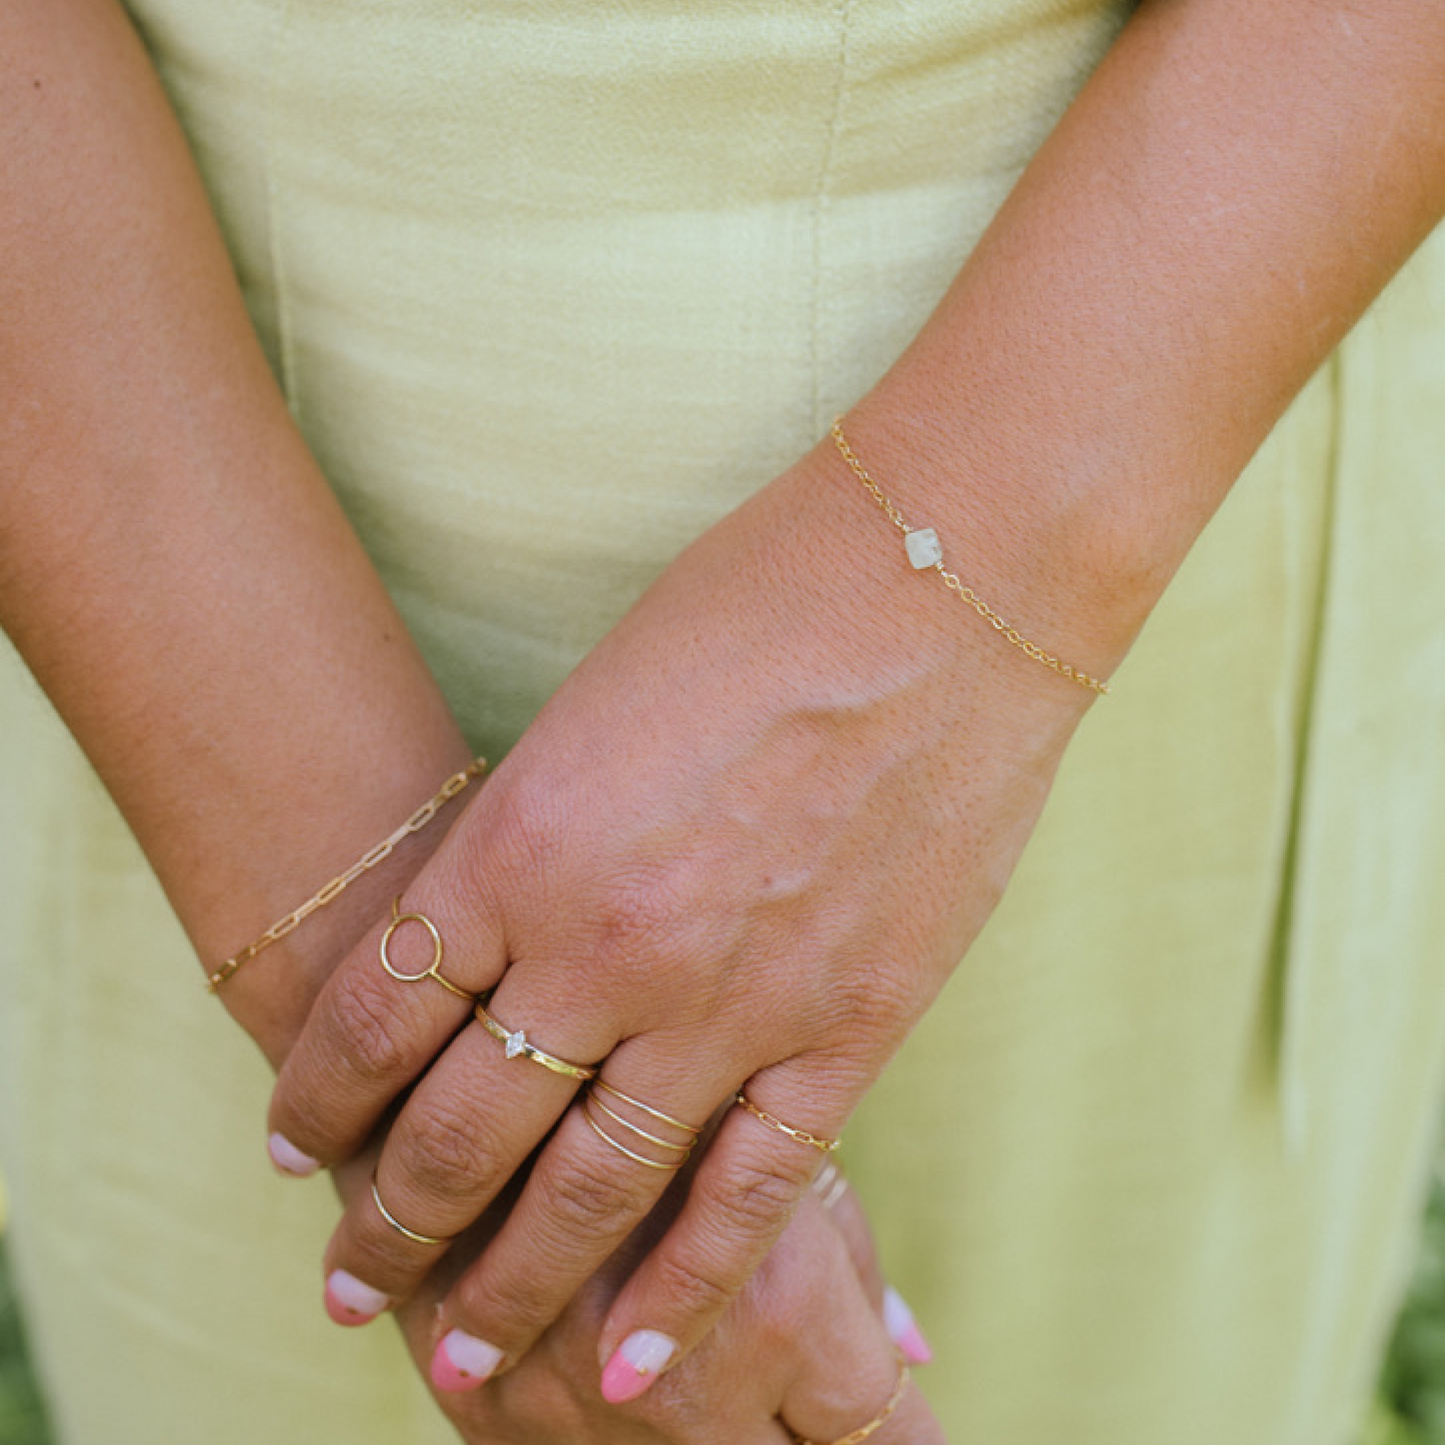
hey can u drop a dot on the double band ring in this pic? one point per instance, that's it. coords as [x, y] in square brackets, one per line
[412, 1234]
[856, 1437]
[813, 1141]
[518, 1047]
[830, 1185]
[433, 970]
[668, 1147]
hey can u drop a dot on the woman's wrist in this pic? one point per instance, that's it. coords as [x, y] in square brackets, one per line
[270, 994]
[1042, 541]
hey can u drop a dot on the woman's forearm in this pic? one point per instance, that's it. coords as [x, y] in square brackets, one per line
[1227, 194]
[172, 565]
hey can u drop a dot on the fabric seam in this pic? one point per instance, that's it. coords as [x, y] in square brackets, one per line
[842, 12]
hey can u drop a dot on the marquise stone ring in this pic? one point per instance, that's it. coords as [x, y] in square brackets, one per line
[517, 1047]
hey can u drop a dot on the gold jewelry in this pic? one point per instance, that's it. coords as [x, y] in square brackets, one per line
[856, 1437]
[773, 1122]
[339, 884]
[517, 1046]
[434, 971]
[925, 550]
[682, 1150]
[415, 1235]
[829, 1184]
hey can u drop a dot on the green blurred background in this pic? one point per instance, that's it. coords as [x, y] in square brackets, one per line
[1409, 1408]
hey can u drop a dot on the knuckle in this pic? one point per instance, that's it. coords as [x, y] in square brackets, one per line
[524, 833]
[370, 1033]
[589, 1200]
[633, 912]
[871, 1006]
[693, 1288]
[757, 1195]
[446, 1156]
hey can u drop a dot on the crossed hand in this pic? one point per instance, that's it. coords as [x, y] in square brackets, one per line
[712, 887]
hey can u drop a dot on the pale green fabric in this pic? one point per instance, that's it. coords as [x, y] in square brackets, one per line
[551, 285]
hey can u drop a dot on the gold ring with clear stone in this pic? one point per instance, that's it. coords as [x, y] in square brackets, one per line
[517, 1047]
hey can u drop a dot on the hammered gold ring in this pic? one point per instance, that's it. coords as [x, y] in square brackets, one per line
[413, 1234]
[517, 1047]
[856, 1437]
[433, 969]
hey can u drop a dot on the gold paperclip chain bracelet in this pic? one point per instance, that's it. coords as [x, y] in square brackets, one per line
[339, 884]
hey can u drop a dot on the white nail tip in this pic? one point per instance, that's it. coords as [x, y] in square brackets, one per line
[648, 1351]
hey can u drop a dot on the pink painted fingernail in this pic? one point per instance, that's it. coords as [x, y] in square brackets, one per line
[289, 1159]
[903, 1329]
[462, 1362]
[635, 1365]
[349, 1301]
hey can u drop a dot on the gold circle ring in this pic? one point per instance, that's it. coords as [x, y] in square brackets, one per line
[517, 1047]
[433, 970]
[856, 1437]
[413, 1234]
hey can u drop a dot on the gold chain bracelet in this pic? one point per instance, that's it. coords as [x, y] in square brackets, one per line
[925, 550]
[339, 884]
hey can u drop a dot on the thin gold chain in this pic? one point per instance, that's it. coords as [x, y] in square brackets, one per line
[342, 882]
[815, 1141]
[1005, 629]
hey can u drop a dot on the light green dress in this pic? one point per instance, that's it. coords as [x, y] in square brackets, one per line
[551, 285]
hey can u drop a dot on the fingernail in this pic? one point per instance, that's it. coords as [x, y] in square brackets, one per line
[903, 1329]
[349, 1301]
[289, 1159]
[635, 1365]
[462, 1362]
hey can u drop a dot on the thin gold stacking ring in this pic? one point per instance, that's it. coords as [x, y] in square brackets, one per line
[433, 970]
[814, 1141]
[856, 1437]
[830, 1185]
[592, 1102]
[396, 1224]
[518, 1047]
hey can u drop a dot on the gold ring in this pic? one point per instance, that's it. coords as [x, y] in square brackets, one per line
[434, 969]
[592, 1102]
[518, 1047]
[856, 1437]
[829, 1184]
[397, 1225]
[814, 1141]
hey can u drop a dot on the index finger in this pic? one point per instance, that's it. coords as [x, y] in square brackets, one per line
[382, 1017]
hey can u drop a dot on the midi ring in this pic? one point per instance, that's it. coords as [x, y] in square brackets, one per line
[682, 1151]
[830, 1185]
[518, 1047]
[415, 1235]
[433, 970]
[856, 1437]
[814, 1141]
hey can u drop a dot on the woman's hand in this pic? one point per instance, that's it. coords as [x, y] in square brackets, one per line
[806, 1348]
[740, 849]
